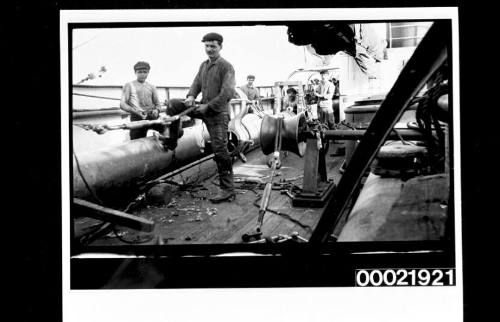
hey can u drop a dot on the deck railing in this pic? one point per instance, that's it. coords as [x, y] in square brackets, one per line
[92, 101]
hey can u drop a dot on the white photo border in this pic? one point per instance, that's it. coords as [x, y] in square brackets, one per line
[312, 304]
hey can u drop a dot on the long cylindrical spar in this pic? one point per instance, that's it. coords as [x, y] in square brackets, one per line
[113, 176]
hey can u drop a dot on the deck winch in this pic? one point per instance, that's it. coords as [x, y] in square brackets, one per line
[243, 130]
[309, 138]
[304, 137]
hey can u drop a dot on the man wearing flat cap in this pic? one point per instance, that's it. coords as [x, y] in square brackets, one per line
[140, 99]
[216, 82]
[250, 91]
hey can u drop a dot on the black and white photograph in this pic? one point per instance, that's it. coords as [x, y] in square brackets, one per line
[211, 155]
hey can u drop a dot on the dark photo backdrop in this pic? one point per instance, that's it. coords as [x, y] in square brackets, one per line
[32, 48]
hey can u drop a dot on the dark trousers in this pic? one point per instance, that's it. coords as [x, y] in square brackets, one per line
[336, 110]
[137, 133]
[141, 133]
[217, 128]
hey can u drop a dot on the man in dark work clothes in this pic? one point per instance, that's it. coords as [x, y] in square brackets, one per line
[216, 81]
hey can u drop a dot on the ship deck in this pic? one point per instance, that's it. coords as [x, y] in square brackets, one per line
[190, 218]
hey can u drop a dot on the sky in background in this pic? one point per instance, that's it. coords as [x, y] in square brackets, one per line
[175, 53]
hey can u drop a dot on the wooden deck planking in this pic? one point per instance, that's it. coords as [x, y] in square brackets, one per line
[230, 216]
[248, 214]
[233, 219]
[268, 223]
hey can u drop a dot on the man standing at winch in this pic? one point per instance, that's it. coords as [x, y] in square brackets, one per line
[291, 100]
[250, 91]
[140, 99]
[325, 92]
[216, 81]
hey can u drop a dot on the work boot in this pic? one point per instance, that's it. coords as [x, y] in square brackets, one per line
[223, 195]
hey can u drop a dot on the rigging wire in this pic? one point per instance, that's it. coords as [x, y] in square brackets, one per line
[96, 96]
[284, 215]
[94, 195]
[85, 42]
[86, 239]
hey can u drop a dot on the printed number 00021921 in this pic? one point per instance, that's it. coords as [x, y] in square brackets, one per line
[405, 277]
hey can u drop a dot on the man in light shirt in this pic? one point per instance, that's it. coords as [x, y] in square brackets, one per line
[325, 92]
[140, 99]
[250, 91]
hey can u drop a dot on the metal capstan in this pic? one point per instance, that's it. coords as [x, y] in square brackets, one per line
[292, 139]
